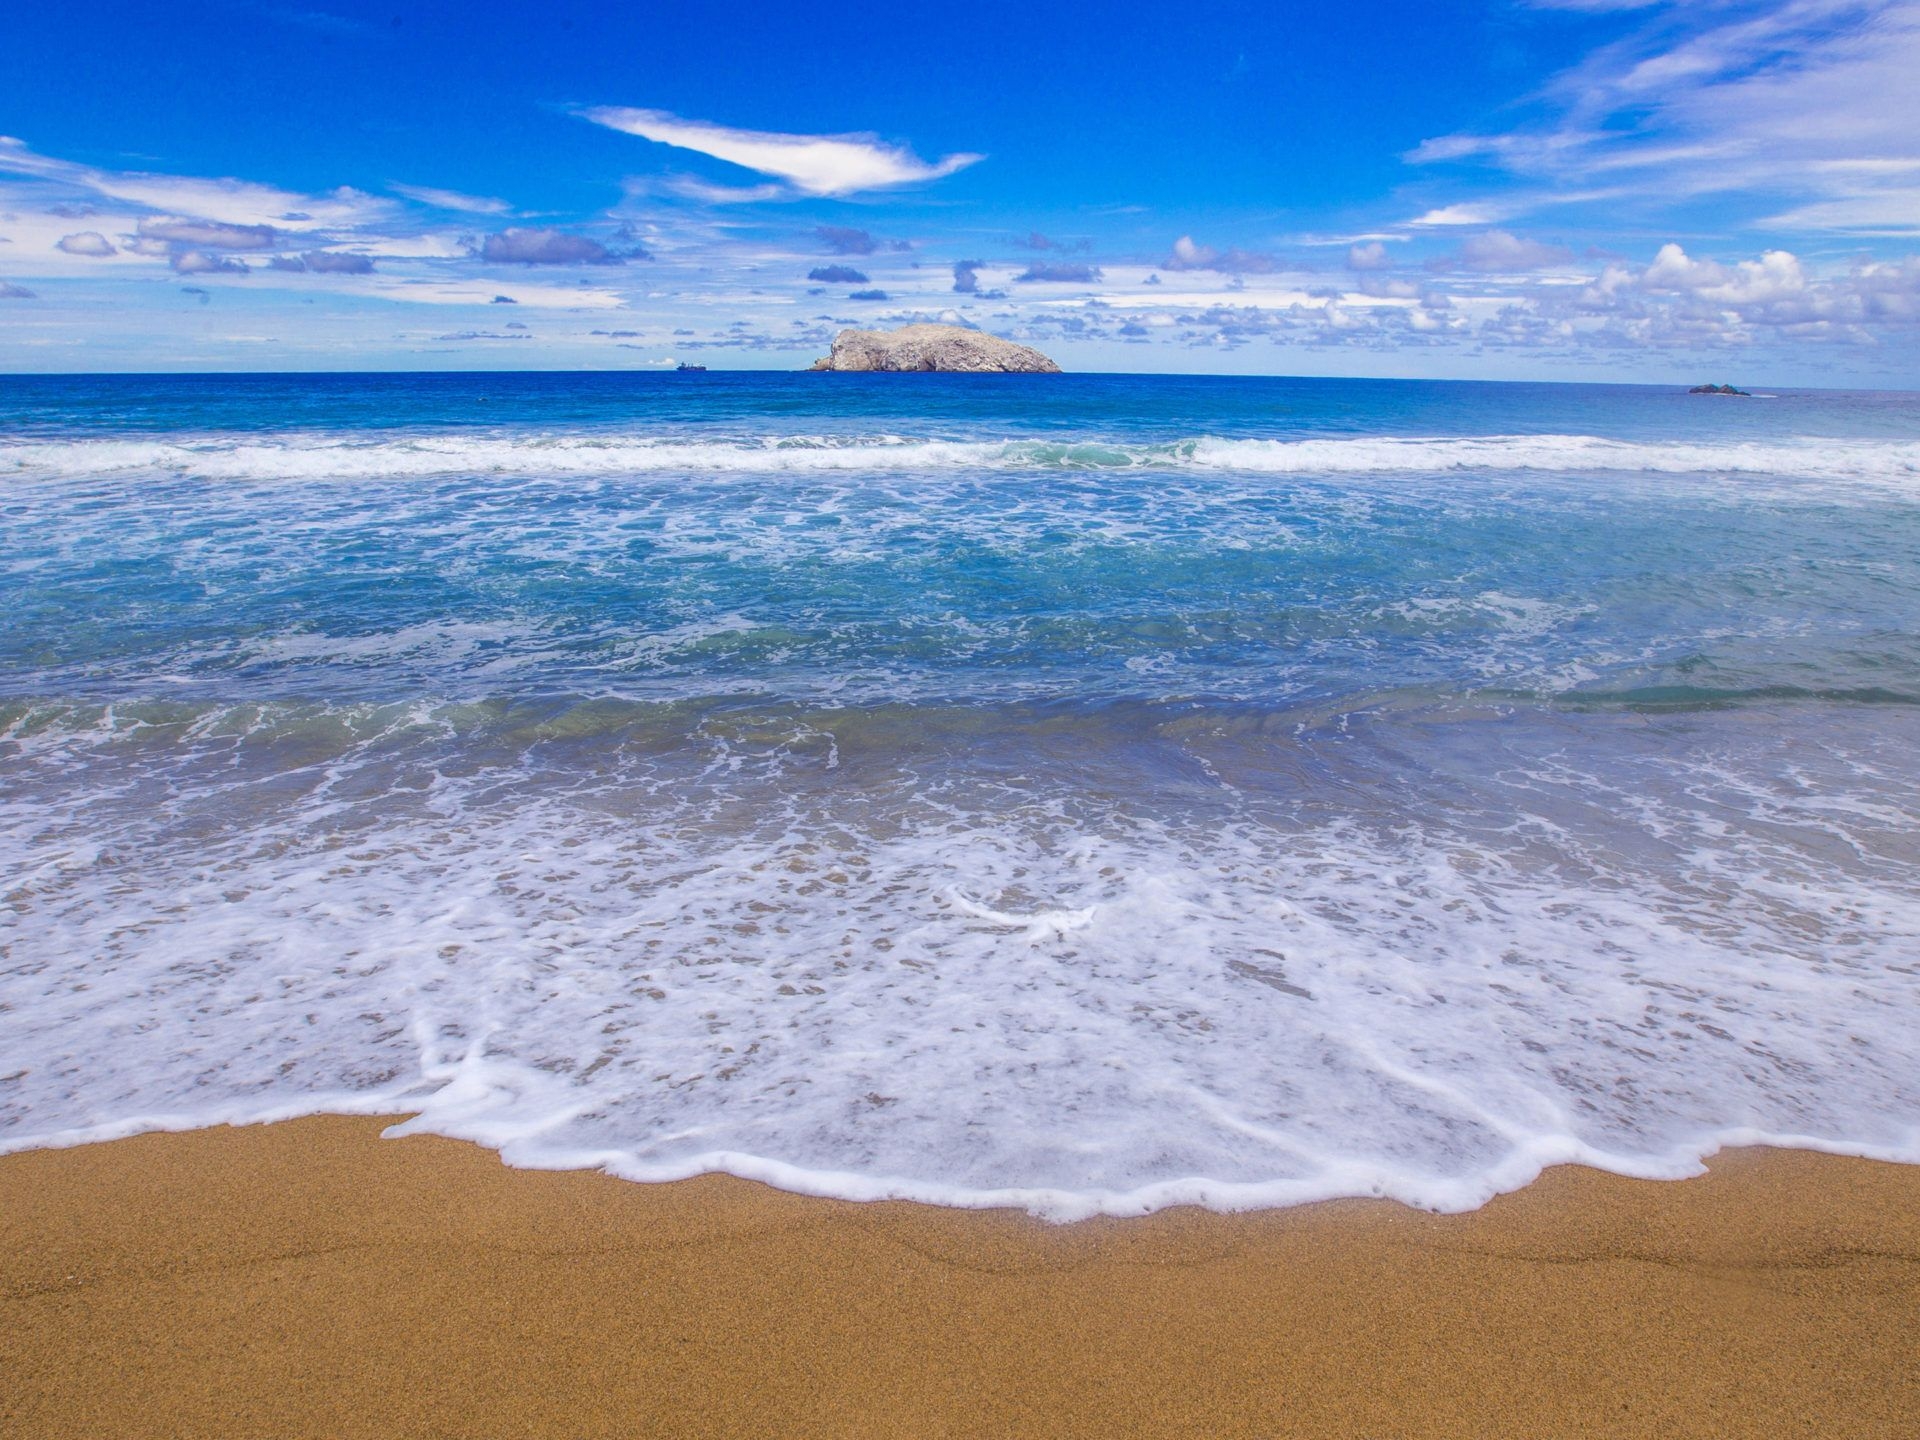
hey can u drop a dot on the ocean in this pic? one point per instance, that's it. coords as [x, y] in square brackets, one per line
[1085, 793]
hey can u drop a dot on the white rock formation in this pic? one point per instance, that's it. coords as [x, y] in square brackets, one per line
[932, 347]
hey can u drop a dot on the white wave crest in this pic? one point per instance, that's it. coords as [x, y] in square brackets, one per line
[391, 455]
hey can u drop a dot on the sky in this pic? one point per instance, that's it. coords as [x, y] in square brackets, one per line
[1545, 189]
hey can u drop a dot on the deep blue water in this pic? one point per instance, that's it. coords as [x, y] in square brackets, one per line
[758, 402]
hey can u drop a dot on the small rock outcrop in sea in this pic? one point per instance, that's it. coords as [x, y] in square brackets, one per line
[933, 347]
[1717, 390]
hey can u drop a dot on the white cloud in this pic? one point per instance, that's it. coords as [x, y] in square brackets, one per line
[1889, 291]
[85, 242]
[211, 234]
[1188, 255]
[201, 262]
[1503, 251]
[226, 202]
[813, 164]
[35, 239]
[452, 200]
[544, 245]
[454, 292]
[1675, 305]
[1475, 214]
[1680, 301]
[1776, 275]
[1370, 256]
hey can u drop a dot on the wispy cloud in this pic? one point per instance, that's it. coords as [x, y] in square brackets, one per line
[223, 201]
[690, 187]
[1808, 107]
[452, 200]
[1501, 251]
[811, 164]
[490, 292]
[206, 234]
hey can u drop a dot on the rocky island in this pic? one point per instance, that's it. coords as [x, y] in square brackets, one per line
[950, 348]
[1718, 390]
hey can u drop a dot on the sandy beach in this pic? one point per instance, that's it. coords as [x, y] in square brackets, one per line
[309, 1278]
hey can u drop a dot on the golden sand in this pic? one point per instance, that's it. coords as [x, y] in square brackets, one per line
[311, 1279]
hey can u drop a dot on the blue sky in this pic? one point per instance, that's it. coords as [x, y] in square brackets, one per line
[1577, 189]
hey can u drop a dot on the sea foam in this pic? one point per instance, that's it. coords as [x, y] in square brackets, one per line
[869, 956]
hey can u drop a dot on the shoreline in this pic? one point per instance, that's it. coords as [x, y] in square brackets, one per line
[307, 1277]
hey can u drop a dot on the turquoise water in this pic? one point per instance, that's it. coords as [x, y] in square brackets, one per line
[1089, 793]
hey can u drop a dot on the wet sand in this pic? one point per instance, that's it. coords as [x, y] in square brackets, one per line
[311, 1279]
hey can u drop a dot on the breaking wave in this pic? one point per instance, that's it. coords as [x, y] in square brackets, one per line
[386, 455]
